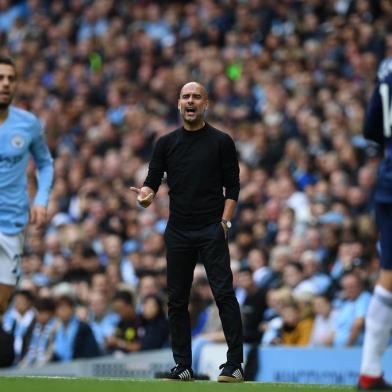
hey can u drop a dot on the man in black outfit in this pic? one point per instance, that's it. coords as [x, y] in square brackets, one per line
[203, 178]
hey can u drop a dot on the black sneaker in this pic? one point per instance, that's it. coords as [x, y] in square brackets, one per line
[179, 373]
[231, 373]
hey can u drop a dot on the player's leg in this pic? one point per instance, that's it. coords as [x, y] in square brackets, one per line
[181, 260]
[10, 254]
[378, 325]
[214, 253]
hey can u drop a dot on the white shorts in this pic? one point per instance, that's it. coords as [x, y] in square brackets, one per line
[11, 248]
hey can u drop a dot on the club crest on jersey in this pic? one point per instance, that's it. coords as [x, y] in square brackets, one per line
[17, 141]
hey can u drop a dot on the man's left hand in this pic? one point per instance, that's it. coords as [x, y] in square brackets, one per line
[38, 216]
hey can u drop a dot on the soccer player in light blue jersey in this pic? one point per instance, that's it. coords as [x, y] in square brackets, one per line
[21, 136]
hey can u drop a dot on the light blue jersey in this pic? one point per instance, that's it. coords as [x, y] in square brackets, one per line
[21, 134]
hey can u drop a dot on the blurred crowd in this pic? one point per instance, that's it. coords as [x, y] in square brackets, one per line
[288, 80]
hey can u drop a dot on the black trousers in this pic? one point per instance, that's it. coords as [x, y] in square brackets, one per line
[183, 249]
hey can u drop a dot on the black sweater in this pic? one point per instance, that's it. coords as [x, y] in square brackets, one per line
[202, 170]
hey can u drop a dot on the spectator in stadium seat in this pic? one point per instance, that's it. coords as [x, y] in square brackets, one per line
[253, 306]
[100, 282]
[275, 299]
[258, 263]
[18, 320]
[351, 312]
[279, 257]
[74, 338]
[126, 336]
[324, 323]
[42, 333]
[147, 286]
[296, 330]
[289, 329]
[294, 278]
[311, 264]
[154, 327]
[101, 320]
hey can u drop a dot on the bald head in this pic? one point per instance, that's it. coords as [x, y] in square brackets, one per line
[194, 86]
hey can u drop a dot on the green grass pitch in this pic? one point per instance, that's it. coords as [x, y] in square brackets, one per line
[54, 384]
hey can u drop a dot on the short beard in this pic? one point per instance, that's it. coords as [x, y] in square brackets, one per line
[193, 120]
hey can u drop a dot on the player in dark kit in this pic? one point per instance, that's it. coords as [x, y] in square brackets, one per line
[378, 127]
[203, 178]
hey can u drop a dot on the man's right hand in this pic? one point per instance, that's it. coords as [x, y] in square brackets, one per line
[145, 195]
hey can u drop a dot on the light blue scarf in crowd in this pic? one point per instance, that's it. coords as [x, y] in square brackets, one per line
[65, 338]
[40, 341]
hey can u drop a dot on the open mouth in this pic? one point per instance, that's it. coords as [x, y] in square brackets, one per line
[190, 110]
